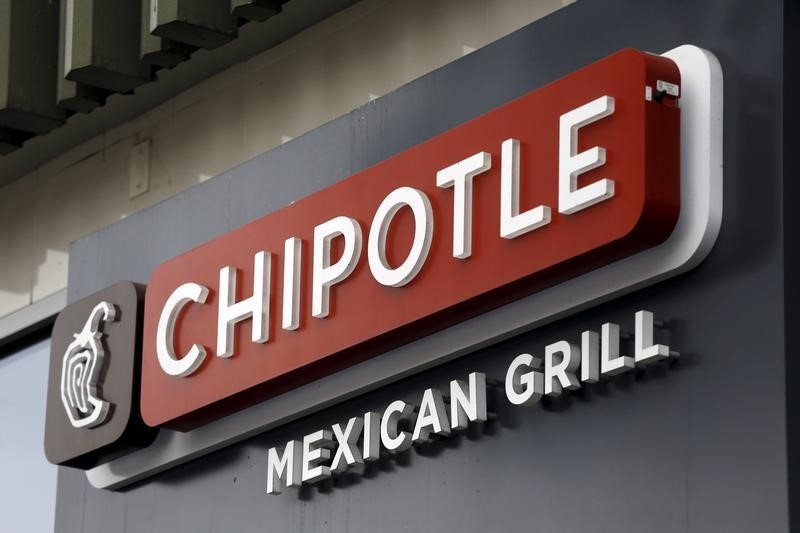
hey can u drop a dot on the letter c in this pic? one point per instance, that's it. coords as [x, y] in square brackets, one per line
[165, 334]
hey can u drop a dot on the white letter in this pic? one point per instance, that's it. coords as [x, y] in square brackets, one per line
[257, 306]
[532, 382]
[291, 283]
[560, 372]
[590, 357]
[571, 198]
[325, 274]
[165, 348]
[346, 451]
[432, 415]
[512, 222]
[392, 439]
[468, 407]
[644, 350]
[372, 436]
[611, 363]
[460, 175]
[283, 471]
[423, 231]
[314, 453]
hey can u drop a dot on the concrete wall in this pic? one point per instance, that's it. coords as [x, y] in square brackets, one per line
[355, 56]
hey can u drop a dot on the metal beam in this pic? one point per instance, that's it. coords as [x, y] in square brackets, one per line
[158, 51]
[108, 49]
[201, 23]
[256, 10]
[28, 62]
[101, 44]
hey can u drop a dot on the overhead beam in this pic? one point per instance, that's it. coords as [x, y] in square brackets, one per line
[58, 57]
[101, 44]
[28, 63]
[201, 23]
[256, 10]
[156, 50]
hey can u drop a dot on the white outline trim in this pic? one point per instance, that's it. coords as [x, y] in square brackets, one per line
[81, 367]
[692, 239]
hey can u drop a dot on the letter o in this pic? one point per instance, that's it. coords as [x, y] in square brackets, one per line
[423, 231]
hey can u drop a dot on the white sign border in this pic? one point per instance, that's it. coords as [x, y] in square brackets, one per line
[694, 235]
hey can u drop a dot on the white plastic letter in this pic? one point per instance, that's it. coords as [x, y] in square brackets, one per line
[256, 307]
[393, 439]
[460, 177]
[347, 452]
[325, 274]
[466, 407]
[571, 164]
[590, 357]
[559, 372]
[372, 436]
[315, 452]
[645, 351]
[423, 231]
[512, 222]
[165, 346]
[291, 283]
[611, 362]
[531, 383]
[432, 416]
[283, 470]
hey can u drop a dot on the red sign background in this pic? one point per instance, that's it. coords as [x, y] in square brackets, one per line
[641, 139]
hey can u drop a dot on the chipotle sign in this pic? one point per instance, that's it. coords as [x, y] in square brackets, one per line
[561, 181]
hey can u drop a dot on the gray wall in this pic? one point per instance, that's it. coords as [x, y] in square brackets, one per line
[23, 399]
[700, 446]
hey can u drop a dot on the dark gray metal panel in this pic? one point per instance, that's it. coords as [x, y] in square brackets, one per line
[699, 447]
[791, 238]
[70, 498]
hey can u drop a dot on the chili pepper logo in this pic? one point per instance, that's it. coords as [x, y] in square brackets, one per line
[82, 368]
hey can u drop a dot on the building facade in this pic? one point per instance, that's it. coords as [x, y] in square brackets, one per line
[697, 442]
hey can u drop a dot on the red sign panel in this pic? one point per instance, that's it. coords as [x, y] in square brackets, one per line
[563, 180]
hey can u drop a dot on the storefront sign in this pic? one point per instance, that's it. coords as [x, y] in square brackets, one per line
[590, 187]
[364, 439]
[561, 181]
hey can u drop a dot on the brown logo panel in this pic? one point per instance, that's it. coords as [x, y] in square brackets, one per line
[93, 392]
